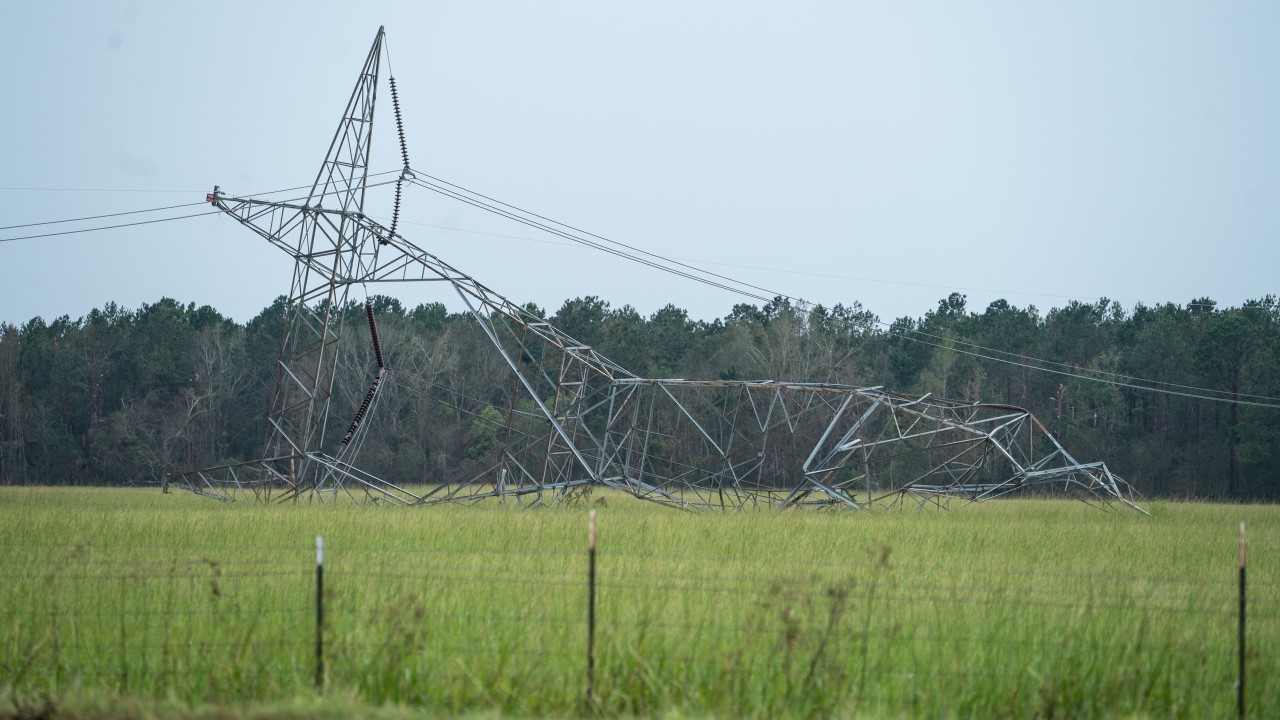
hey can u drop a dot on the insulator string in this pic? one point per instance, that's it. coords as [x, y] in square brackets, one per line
[404, 154]
[364, 407]
[395, 213]
[395, 104]
[373, 332]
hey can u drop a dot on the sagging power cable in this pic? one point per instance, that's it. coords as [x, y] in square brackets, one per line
[99, 217]
[150, 210]
[111, 227]
[659, 262]
[566, 234]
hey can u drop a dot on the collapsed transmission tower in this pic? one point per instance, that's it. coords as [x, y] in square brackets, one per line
[692, 444]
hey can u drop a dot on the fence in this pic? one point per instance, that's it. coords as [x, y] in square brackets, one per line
[525, 630]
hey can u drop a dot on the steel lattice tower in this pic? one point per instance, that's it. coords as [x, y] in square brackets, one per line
[691, 444]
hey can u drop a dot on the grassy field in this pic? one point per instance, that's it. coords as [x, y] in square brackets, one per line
[124, 602]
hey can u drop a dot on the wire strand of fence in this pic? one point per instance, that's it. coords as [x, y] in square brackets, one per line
[956, 591]
[1151, 599]
[619, 556]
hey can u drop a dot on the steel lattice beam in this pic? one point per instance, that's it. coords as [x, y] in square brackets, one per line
[685, 443]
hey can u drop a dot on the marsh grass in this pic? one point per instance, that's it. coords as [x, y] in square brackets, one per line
[1020, 608]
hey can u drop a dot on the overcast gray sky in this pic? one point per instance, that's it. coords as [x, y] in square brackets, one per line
[887, 153]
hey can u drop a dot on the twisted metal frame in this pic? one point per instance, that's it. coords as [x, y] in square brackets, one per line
[582, 420]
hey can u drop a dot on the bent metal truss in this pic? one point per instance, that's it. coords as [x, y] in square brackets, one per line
[584, 421]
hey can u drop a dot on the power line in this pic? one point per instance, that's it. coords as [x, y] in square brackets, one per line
[111, 227]
[808, 273]
[569, 236]
[147, 210]
[1117, 383]
[921, 332]
[663, 263]
[658, 259]
[1077, 368]
[99, 217]
[308, 187]
[152, 191]
[678, 261]
[656, 256]
[106, 190]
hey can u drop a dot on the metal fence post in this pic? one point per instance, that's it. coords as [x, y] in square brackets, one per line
[1241, 639]
[319, 612]
[591, 611]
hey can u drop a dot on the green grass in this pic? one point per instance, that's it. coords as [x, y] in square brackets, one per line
[123, 602]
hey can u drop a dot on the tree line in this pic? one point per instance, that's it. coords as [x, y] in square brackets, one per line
[124, 396]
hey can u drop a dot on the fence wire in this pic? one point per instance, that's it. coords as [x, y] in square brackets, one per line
[457, 629]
